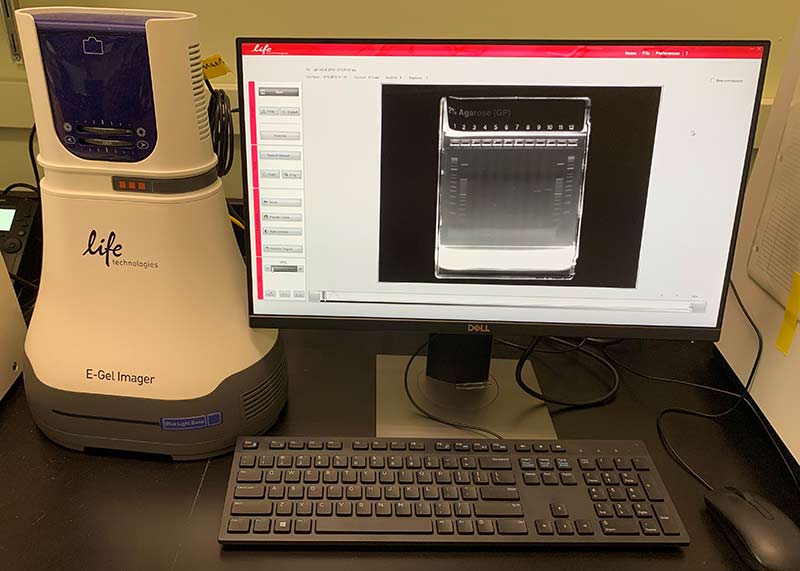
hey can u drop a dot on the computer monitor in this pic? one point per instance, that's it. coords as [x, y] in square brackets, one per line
[559, 188]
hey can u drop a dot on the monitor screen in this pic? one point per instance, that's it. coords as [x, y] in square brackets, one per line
[6, 218]
[574, 187]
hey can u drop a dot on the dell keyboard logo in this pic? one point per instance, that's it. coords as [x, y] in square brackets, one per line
[92, 46]
[478, 328]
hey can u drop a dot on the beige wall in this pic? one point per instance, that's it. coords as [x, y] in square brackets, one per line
[221, 22]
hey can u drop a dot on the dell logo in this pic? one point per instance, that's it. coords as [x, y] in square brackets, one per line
[478, 328]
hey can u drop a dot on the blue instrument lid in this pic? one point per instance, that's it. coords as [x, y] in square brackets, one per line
[93, 22]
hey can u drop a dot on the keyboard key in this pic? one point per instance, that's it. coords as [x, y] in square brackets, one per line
[239, 525]
[616, 494]
[603, 510]
[315, 445]
[304, 508]
[591, 479]
[249, 476]
[253, 491]
[372, 492]
[363, 509]
[480, 478]
[276, 491]
[545, 463]
[503, 478]
[512, 527]
[442, 446]
[449, 463]
[568, 479]
[291, 476]
[564, 527]
[563, 464]
[251, 507]
[640, 463]
[296, 445]
[527, 463]
[499, 493]
[335, 492]
[432, 463]
[247, 461]
[651, 488]
[416, 446]
[272, 476]
[360, 445]
[544, 527]
[402, 509]
[480, 447]
[261, 525]
[628, 479]
[461, 447]
[649, 527]
[333, 445]
[354, 492]
[550, 479]
[485, 526]
[442, 509]
[368, 526]
[339, 461]
[461, 509]
[497, 509]
[634, 494]
[391, 492]
[642, 510]
[522, 447]
[623, 463]
[559, 510]
[430, 492]
[349, 476]
[397, 445]
[303, 461]
[302, 525]
[449, 493]
[266, 461]
[314, 492]
[586, 464]
[412, 492]
[469, 493]
[597, 494]
[344, 508]
[414, 462]
[444, 526]
[623, 510]
[422, 509]
[488, 463]
[531, 478]
[540, 447]
[610, 478]
[383, 509]
[277, 445]
[324, 508]
[498, 447]
[464, 527]
[668, 522]
[584, 527]
[284, 508]
[283, 526]
[311, 477]
[619, 526]
[359, 462]
[557, 447]
[250, 444]
[322, 461]
[604, 463]
[284, 461]
[295, 492]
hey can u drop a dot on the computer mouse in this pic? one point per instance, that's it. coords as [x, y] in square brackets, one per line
[765, 537]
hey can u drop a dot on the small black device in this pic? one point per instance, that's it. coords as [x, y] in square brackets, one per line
[17, 214]
[590, 493]
[764, 537]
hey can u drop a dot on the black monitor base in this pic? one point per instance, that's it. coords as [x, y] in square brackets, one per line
[459, 381]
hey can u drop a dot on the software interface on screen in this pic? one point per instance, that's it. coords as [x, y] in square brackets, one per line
[585, 184]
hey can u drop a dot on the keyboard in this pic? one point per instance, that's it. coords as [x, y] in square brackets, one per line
[292, 491]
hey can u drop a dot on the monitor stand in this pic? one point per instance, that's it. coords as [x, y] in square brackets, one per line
[460, 382]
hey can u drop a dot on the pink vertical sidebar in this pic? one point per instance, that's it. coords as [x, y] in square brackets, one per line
[251, 97]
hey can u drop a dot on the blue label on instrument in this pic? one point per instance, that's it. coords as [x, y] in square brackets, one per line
[192, 422]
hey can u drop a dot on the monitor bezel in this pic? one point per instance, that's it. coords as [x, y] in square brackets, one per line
[499, 327]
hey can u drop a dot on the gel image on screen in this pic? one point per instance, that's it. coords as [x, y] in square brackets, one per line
[510, 195]
[520, 184]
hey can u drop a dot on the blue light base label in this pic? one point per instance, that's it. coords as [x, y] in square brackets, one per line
[192, 422]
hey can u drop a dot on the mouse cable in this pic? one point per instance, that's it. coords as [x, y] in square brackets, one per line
[740, 397]
[528, 351]
[792, 471]
[432, 416]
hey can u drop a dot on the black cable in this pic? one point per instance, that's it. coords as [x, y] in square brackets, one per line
[22, 281]
[741, 396]
[571, 347]
[14, 185]
[431, 416]
[220, 122]
[607, 397]
[32, 157]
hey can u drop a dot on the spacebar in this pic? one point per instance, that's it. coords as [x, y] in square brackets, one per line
[376, 526]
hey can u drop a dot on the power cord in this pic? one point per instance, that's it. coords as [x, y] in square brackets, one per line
[527, 351]
[432, 416]
[220, 121]
[740, 396]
